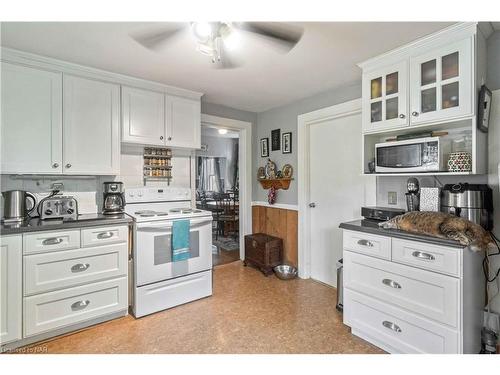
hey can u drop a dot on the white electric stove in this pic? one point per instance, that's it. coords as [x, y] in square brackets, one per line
[159, 283]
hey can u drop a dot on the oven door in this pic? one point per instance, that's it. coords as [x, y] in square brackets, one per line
[153, 251]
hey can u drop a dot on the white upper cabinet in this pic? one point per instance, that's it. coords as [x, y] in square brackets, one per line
[11, 292]
[441, 83]
[91, 127]
[183, 122]
[385, 96]
[143, 116]
[31, 120]
[427, 82]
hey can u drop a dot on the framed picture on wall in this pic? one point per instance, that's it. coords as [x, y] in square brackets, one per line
[264, 147]
[275, 140]
[286, 143]
[484, 109]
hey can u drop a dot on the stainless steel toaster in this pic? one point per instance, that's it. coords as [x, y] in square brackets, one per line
[58, 207]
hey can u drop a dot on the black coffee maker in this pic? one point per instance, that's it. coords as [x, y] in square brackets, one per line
[113, 198]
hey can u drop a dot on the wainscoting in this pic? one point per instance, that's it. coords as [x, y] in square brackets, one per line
[281, 223]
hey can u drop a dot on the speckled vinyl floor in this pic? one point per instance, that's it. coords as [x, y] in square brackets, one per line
[248, 313]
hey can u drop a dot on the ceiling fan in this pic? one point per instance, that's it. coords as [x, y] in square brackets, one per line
[214, 39]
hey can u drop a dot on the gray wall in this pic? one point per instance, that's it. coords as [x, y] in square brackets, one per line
[228, 112]
[493, 64]
[285, 118]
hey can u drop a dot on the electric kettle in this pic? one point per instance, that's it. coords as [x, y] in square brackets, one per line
[15, 207]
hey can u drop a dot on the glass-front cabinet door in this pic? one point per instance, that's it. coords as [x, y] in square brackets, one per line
[441, 83]
[385, 98]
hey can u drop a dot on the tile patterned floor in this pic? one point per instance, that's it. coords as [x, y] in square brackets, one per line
[248, 313]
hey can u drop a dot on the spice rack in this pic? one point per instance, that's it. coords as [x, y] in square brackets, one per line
[157, 164]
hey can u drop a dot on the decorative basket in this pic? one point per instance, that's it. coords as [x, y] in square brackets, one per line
[460, 162]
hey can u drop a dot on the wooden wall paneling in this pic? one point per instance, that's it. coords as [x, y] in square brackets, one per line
[281, 223]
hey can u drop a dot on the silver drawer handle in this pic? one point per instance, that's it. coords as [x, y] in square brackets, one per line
[104, 235]
[391, 283]
[52, 241]
[392, 326]
[80, 267]
[422, 255]
[80, 305]
[365, 243]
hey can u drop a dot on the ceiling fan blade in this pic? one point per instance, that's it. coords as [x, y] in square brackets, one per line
[284, 35]
[156, 39]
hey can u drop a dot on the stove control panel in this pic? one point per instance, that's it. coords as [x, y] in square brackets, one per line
[167, 194]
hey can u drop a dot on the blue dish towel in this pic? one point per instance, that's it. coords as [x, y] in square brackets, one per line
[180, 240]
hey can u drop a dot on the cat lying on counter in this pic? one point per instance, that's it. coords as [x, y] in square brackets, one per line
[440, 224]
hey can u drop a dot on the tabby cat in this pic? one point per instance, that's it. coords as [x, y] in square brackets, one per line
[440, 224]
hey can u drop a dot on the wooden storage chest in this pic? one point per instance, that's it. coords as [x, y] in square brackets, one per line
[263, 251]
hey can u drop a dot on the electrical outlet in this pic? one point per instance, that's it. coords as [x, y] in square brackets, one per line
[392, 197]
[57, 186]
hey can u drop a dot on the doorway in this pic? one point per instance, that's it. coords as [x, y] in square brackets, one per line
[331, 187]
[223, 185]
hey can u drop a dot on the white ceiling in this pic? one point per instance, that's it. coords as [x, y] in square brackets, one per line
[324, 59]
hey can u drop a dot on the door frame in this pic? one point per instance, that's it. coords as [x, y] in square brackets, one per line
[244, 129]
[303, 173]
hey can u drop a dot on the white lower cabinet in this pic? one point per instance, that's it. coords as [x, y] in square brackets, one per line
[421, 298]
[49, 311]
[53, 282]
[396, 330]
[11, 286]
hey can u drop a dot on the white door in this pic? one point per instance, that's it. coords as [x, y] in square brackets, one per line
[31, 120]
[337, 190]
[143, 116]
[183, 122]
[385, 94]
[441, 83]
[91, 126]
[11, 293]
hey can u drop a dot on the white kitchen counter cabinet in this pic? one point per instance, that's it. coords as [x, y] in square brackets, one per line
[11, 286]
[55, 282]
[417, 298]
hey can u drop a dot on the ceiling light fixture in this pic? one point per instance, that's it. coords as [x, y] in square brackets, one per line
[222, 131]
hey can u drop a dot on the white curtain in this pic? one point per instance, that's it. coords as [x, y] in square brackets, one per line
[211, 173]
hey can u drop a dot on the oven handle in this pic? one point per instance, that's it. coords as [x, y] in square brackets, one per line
[194, 223]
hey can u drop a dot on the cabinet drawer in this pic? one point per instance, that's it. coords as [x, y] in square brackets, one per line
[394, 329]
[369, 244]
[431, 257]
[62, 269]
[422, 292]
[39, 242]
[104, 235]
[49, 311]
[166, 294]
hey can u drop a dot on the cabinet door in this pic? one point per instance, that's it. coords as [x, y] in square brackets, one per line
[385, 97]
[183, 122]
[31, 120]
[143, 116]
[91, 126]
[11, 293]
[442, 83]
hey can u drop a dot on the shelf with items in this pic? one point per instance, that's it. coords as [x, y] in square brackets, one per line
[157, 164]
[462, 148]
[277, 183]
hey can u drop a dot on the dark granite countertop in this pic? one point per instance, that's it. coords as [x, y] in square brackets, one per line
[371, 226]
[88, 220]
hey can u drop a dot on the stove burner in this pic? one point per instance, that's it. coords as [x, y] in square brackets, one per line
[150, 213]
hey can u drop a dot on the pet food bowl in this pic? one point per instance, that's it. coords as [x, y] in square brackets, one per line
[285, 272]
